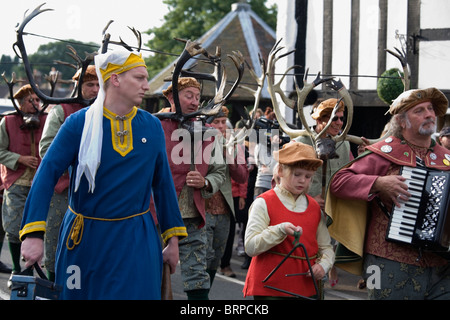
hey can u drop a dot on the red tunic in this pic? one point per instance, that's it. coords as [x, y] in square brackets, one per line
[264, 263]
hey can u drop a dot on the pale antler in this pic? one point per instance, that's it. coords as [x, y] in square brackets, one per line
[276, 89]
[302, 95]
[401, 56]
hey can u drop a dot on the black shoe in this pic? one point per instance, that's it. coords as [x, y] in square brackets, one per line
[246, 263]
[4, 268]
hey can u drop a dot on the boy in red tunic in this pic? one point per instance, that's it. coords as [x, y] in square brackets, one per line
[274, 218]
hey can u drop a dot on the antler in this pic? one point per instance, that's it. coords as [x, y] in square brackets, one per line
[30, 120]
[11, 85]
[302, 95]
[339, 87]
[192, 49]
[20, 45]
[401, 56]
[260, 86]
[107, 39]
[276, 89]
[238, 137]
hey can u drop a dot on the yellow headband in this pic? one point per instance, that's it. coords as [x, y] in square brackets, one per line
[133, 61]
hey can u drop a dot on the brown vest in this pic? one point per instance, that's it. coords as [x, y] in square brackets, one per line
[180, 170]
[20, 141]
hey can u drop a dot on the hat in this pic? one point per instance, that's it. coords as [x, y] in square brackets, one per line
[296, 153]
[23, 92]
[134, 60]
[326, 108]
[89, 74]
[223, 112]
[411, 98]
[183, 83]
[444, 132]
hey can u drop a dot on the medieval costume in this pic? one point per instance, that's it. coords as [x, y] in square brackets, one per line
[220, 211]
[193, 153]
[109, 247]
[17, 140]
[360, 220]
[267, 242]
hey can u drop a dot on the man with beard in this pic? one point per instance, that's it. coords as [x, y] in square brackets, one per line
[405, 271]
[19, 160]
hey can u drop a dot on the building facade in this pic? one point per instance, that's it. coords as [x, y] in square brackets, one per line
[347, 39]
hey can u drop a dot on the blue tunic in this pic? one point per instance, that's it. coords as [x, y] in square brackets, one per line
[119, 252]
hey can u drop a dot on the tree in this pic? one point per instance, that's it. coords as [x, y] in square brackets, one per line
[7, 64]
[190, 19]
[46, 55]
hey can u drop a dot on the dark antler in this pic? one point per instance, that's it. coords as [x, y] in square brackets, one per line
[11, 85]
[20, 45]
[30, 120]
[107, 39]
[192, 49]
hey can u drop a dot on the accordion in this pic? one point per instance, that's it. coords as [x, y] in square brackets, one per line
[423, 220]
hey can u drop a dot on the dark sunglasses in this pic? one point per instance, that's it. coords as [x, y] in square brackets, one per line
[335, 118]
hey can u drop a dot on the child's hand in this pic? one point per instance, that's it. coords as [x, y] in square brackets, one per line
[318, 272]
[289, 228]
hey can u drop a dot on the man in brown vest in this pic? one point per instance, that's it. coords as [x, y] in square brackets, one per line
[19, 159]
[193, 185]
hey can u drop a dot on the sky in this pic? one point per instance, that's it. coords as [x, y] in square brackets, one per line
[82, 20]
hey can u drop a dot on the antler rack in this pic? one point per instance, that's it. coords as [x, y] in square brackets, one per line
[336, 85]
[20, 45]
[192, 49]
[30, 120]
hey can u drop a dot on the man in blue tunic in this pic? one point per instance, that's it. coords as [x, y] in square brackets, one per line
[109, 246]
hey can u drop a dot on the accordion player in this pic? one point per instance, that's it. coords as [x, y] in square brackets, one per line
[424, 219]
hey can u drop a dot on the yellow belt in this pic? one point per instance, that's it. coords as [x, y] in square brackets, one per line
[76, 232]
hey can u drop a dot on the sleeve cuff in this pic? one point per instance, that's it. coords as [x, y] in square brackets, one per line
[32, 227]
[174, 232]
